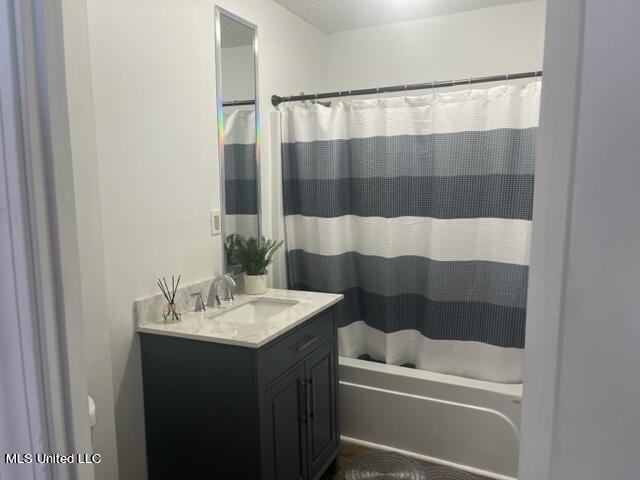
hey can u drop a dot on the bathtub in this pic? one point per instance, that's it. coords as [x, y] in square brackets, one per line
[468, 424]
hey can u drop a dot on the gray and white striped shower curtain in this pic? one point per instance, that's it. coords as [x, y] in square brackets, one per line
[418, 209]
[240, 169]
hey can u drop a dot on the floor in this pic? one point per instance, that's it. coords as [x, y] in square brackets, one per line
[351, 451]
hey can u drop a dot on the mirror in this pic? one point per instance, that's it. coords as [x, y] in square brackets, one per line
[238, 126]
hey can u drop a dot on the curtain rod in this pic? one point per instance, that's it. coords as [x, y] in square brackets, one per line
[233, 103]
[276, 100]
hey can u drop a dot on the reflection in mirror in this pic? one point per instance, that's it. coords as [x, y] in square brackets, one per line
[236, 57]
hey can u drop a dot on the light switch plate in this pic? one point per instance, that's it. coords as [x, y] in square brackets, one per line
[215, 222]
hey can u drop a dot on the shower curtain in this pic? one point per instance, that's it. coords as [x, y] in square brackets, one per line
[418, 210]
[240, 170]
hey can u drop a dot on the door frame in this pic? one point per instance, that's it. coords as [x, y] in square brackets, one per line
[44, 406]
[554, 174]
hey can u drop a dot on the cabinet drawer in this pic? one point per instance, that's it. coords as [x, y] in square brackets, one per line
[298, 344]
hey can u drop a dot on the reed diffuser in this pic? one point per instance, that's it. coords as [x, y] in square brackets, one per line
[171, 313]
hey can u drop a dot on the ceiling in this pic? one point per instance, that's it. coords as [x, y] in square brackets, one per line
[332, 16]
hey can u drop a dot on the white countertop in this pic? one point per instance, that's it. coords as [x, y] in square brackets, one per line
[208, 326]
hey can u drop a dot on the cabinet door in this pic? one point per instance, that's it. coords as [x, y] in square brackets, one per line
[320, 370]
[287, 423]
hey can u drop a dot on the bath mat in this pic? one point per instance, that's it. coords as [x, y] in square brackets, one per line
[394, 466]
[383, 466]
[444, 473]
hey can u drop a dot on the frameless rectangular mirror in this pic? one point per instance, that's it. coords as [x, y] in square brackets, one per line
[238, 127]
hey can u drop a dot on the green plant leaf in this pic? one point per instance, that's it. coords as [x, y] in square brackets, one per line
[255, 255]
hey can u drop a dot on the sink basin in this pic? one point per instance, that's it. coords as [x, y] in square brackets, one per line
[256, 310]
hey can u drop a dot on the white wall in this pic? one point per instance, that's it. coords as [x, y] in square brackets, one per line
[90, 233]
[489, 41]
[589, 164]
[154, 96]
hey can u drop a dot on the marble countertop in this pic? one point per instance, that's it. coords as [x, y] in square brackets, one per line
[210, 326]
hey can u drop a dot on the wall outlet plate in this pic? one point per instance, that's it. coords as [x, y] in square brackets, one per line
[216, 223]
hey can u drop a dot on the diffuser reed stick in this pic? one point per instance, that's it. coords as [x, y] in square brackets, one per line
[171, 312]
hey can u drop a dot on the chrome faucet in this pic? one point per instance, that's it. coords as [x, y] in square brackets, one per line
[200, 306]
[230, 288]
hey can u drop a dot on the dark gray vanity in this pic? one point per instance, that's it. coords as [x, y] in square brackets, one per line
[234, 411]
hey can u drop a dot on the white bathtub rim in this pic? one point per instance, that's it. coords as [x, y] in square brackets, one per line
[477, 408]
[427, 458]
[511, 389]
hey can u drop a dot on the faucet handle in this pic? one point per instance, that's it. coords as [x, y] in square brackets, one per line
[199, 307]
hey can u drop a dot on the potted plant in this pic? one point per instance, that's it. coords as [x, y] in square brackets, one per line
[230, 245]
[255, 256]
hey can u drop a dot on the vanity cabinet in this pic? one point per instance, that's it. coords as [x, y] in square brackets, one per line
[217, 411]
[301, 405]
